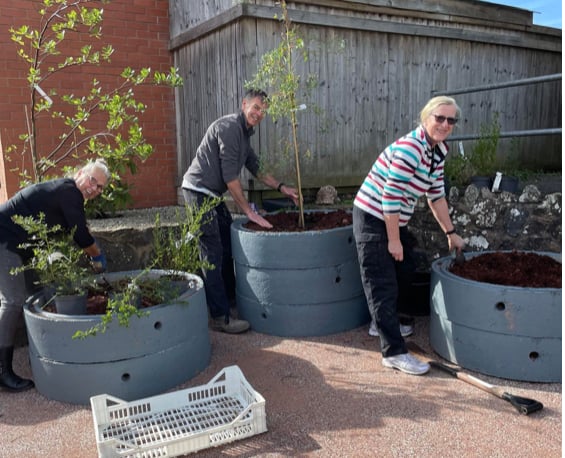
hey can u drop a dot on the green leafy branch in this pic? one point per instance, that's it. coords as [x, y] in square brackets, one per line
[50, 50]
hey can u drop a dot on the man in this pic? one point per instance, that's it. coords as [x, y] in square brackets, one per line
[223, 152]
[62, 202]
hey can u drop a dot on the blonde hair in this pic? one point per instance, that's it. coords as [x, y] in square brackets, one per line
[435, 102]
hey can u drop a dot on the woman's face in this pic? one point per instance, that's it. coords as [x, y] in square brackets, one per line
[440, 123]
[90, 183]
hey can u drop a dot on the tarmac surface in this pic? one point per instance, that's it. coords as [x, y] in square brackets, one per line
[325, 397]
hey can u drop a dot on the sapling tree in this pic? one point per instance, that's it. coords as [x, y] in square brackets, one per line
[100, 122]
[278, 75]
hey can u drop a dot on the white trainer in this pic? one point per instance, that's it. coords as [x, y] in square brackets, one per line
[406, 363]
[405, 330]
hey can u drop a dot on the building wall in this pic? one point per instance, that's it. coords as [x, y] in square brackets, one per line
[139, 32]
[394, 55]
[376, 63]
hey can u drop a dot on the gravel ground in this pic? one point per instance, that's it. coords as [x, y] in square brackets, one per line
[325, 396]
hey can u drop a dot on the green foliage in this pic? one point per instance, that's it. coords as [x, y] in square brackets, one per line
[52, 49]
[277, 74]
[457, 169]
[176, 247]
[125, 296]
[483, 154]
[121, 306]
[57, 260]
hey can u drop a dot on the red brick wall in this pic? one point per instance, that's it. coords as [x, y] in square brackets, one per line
[139, 32]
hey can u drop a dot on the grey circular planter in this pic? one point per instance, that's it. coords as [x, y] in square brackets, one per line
[298, 283]
[151, 355]
[504, 331]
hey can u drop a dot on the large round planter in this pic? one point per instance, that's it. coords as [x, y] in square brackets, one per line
[504, 331]
[298, 283]
[151, 355]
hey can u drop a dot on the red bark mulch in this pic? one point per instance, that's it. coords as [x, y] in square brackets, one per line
[514, 268]
[313, 221]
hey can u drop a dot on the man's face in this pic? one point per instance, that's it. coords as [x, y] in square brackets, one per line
[254, 111]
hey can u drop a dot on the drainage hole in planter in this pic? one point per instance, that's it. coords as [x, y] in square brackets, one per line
[337, 279]
[264, 315]
[125, 377]
[158, 325]
[534, 355]
[500, 306]
[350, 240]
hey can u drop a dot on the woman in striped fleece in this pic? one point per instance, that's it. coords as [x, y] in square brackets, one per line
[407, 169]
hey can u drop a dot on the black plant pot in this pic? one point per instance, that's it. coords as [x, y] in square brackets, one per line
[415, 300]
[481, 181]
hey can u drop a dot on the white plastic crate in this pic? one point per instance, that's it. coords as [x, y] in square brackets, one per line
[224, 410]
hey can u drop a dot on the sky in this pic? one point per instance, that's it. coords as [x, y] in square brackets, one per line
[546, 12]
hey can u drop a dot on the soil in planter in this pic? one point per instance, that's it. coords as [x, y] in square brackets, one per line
[529, 270]
[97, 301]
[313, 221]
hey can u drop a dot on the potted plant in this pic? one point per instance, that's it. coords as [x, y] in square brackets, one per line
[58, 263]
[482, 160]
[126, 351]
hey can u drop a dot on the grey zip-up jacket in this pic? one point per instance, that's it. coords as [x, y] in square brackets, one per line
[223, 152]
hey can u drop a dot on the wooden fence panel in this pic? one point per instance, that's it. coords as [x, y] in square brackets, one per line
[374, 75]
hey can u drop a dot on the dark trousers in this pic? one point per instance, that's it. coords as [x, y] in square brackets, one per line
[382, 276]
[215, 246]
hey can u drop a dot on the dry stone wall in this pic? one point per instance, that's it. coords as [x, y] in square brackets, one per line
[530, 220]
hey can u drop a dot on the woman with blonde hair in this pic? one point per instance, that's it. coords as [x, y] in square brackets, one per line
[407, 169]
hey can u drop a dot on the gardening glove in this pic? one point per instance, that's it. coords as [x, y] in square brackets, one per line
[99, 263]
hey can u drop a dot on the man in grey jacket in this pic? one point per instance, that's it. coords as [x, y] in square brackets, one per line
[223, 152]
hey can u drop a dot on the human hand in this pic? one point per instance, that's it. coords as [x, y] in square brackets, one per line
[99, 263]
[455, 242]
[290, 192]
[258, 219]
[396, 251]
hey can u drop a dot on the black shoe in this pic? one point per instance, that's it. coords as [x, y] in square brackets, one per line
[8, 380]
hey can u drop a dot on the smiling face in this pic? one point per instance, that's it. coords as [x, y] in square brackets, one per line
[439, 131]
[90, 182]
[254, 110]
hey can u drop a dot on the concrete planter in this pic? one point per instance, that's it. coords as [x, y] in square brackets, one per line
[504, 331]
[155, 353]
[298, 283]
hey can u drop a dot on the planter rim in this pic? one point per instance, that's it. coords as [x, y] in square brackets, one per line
[443, 264]
[30, 305]
[239, 222]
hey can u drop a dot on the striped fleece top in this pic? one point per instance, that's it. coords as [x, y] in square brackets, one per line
[406, 170]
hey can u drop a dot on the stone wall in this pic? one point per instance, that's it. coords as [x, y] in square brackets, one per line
[490, 221]
[529, 220]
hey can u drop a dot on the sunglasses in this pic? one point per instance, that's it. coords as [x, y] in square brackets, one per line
[441, 119]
